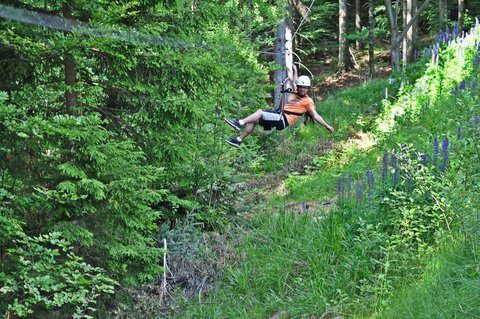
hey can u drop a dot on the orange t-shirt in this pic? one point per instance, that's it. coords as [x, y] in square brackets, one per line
[298, 104]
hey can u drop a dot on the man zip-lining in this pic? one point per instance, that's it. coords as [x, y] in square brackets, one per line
[298, 104]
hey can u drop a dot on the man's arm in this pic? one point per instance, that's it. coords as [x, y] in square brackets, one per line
[320, 120]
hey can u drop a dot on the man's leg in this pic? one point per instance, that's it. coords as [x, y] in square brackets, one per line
[249, 122]
[252, 118]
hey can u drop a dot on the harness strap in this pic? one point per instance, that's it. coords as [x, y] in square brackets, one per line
[292, 113]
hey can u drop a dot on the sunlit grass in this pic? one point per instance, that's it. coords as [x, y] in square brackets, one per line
[310, 262]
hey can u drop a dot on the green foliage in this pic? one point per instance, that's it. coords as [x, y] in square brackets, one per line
[416, 237]
[142, 143]
[48, 275]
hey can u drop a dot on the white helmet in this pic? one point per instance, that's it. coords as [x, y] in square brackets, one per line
[303, 81]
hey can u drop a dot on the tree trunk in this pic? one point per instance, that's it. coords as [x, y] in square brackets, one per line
[344, 61]
[442, 14]
[394, 43]
[283, 57]
[410, 8]
[371, 38]
[415, 18]
[70, 67]
[404, 26]
[358, 23]
[397, 37]
[461, 15]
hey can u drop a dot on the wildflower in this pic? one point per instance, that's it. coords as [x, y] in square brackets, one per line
[395, 175]
[340, 188]
[385, 166]
[370, 178]
[369, 198]
[393, 160]
[408, 184]
[349, 185]
[459, 133]
[445, 154]
[435, 152]
[423, 159]
[477, 119]
[359, 190]
[462, 85]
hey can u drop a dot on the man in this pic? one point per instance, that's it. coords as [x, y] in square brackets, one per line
[298, 104]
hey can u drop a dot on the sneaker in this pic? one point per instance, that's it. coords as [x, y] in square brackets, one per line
[235, 123]
[235, 142]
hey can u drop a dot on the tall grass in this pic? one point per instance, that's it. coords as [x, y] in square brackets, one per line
[411, 251]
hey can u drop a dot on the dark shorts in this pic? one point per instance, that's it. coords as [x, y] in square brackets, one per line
[273, 119]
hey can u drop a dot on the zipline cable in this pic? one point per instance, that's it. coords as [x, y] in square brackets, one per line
[129, 36]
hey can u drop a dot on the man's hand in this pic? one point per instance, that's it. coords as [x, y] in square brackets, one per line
[330, 129]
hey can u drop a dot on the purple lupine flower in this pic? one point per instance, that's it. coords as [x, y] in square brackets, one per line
[459, 133]
[304, 206]
[427, 53]
[393, 160]
[477, 119]
[408, 184]
[359, 191]
[369, 198]
[385, 166]
[349, 185]
[462, 85]
[423, 159]
[474, 86]
[395, 175]
[370, 178]
[340, 188]
[445, 154]
[435, 152]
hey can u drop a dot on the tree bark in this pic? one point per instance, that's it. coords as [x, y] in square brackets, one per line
[358, 23]
[344, 61]
[283, 57]
[70, 66]
[415, 18]
[409, 41]
[371, 38]
[397, 37]
[442, 14]
[461, 15]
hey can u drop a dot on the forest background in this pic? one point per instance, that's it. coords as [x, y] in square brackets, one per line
[113, 141]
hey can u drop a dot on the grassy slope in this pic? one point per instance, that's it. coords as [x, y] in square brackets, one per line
[305, 265]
